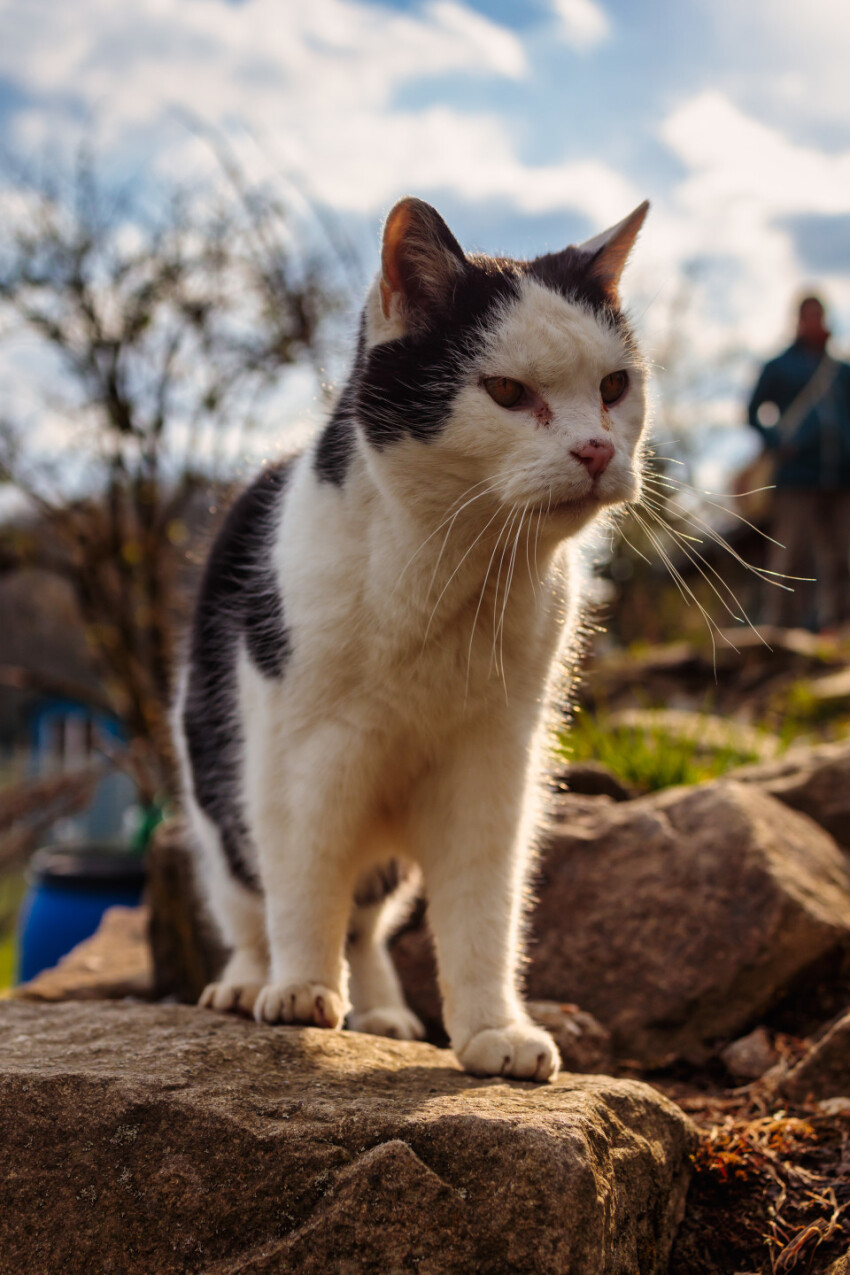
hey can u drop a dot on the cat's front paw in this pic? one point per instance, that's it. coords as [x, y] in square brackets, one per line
[396, 1021]
[520, 1050]
[230, 998]
[309, 1004]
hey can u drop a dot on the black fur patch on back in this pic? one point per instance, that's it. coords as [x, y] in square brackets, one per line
[238, 601]
[406, 387]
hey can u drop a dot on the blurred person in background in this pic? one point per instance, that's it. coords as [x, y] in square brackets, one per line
[801, 408]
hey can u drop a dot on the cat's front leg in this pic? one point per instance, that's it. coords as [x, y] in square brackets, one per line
[308, 876]
[471, 828]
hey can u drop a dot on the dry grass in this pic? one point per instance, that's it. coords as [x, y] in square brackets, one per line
[771, 1187]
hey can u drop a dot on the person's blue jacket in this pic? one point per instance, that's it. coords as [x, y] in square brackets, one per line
[818, 452]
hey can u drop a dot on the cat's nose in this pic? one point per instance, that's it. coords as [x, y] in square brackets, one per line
[595, 455]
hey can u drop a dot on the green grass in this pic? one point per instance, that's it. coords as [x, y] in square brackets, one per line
[647, 759]
[12, 889]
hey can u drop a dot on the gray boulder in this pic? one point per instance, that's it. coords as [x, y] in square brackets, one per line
[679, 918]
[815, 781]
[146, 1139]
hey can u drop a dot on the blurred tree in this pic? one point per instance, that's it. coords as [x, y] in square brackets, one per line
[170, 329]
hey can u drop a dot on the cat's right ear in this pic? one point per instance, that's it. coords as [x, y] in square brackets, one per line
[421, 264]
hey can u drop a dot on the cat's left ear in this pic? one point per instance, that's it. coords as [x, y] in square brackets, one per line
[421, 263]
[609, 251]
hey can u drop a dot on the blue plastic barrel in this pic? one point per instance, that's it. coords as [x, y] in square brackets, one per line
[69, 891]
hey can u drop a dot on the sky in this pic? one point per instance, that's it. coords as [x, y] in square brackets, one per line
[528, 125]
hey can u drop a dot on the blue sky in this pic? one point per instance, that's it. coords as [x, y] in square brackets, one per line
[529, 125]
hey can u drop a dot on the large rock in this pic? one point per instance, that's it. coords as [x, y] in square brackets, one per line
[815, 781]
[163, 1138]
[677, 919]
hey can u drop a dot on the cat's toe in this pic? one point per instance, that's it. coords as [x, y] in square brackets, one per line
[521, 1050]
[230, 998]
[307, 1004]
[396, 1021]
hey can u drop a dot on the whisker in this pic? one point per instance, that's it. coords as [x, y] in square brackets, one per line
[508, 584]
[619, 532]
[669, 482]
[695, 557]
[451, 523]
[685, 589]
[508, 533]
[478, 609]
[451, 515]
[528, 553]
[491, 520]
[762, 572]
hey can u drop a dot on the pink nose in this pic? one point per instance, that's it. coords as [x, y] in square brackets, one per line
[595, 455]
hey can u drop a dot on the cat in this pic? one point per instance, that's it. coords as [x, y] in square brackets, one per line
[381, 624]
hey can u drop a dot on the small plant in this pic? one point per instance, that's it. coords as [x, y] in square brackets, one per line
[648, 758]
[12, 888]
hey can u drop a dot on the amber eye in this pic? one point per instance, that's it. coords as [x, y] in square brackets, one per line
[504, 391]
[613, 386]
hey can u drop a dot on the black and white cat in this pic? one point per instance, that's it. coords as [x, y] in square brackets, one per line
[380, 627]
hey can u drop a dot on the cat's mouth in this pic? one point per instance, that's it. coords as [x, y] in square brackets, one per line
[588, 501]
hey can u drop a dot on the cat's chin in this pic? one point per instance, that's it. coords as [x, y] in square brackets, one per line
[578, 508]
[592, 502]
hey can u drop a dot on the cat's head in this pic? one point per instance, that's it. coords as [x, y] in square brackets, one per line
[522, 376]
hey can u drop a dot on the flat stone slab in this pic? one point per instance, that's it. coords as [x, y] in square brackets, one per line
[149, 1138]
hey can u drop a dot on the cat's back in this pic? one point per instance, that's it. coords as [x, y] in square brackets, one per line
[239, 597]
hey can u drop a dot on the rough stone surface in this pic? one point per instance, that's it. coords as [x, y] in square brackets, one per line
[146, 1139]
[824, 1072]
[677, 919]
[115, 962]
[815, 781]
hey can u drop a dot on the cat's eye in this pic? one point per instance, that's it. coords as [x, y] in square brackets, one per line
[613, 386]
[504, 391]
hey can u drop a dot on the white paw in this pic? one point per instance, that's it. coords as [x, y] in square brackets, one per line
[396, 1021]
[521, 1050]
[311, 1004]
[232, 998]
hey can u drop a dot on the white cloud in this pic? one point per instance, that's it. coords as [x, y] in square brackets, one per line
[743, 179]
[321, 92]
[313, 82]
[736, 160]
[584, 24]
[798, 56]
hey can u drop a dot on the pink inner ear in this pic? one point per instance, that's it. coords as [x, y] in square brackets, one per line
[609, 265]
[395, 230]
